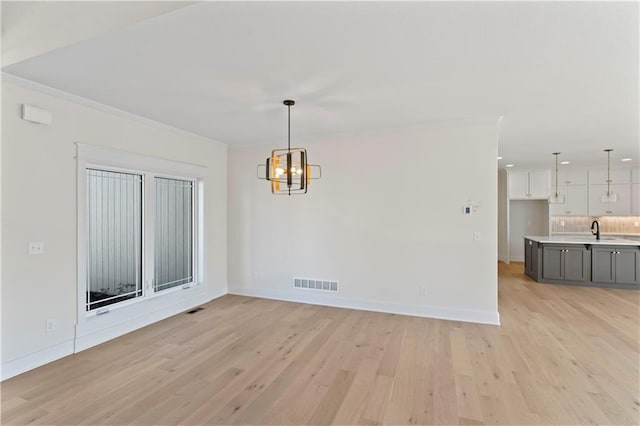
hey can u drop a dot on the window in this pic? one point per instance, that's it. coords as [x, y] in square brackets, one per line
[173, 233]
[139, 235]
[114, 218]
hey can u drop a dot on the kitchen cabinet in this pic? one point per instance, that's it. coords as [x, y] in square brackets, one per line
[599, 177]
[570, 177]
[616, 265]
[583, 261]
[635, 199]
[566, 262]
[575, 201]
[529, 185]
[620, 208]
[531, 263]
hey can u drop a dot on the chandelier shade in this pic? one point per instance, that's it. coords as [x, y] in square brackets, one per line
[288, 169]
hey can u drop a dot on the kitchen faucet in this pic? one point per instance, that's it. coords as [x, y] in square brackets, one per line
[597, 226]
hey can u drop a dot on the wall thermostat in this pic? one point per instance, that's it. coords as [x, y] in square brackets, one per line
[470, 208]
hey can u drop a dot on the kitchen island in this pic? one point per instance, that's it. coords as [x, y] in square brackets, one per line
[583, 260]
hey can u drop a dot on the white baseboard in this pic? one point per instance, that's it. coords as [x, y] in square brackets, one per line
[45, 356]
[517, 258]
[453, 314]
[86, 340]
[36, 359]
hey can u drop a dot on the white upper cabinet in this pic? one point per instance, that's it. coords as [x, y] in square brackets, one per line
[570, 177]
[635, 199]
[583, 190]
[599, 177]
[620, 208]
[529, 185]
[518, 185]
[539, 183]
[575, 201]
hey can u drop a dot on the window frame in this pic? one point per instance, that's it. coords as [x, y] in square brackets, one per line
[93, 157]
[194, 233]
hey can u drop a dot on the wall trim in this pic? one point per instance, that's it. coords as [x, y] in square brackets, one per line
[425, 311]
[36, 359]
[106, 156]
[69, 347]
[61, 94]
[66, 348]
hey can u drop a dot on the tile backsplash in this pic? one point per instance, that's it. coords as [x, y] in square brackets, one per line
[613, 224]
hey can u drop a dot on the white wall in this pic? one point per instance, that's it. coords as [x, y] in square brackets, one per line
[503, 217]
[526, 217]
[39, 204]
[385, 221]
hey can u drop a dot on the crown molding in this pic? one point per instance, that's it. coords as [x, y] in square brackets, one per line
[61, 94]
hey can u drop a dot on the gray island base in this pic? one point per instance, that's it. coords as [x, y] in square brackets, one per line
[609, 262]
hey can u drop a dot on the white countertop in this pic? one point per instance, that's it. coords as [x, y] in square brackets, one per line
[583, 239]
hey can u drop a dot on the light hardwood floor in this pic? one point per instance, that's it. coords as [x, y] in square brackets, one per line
[563, 355]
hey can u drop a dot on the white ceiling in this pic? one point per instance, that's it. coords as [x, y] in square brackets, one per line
[563, 75]
[30, 28]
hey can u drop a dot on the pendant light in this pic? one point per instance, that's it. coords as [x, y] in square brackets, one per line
[609, 196]
[289, 170]
[556, 198]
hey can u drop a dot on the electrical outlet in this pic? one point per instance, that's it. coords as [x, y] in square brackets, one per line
[36, 247]
[423, 291]
[477, 236]
[50, 326]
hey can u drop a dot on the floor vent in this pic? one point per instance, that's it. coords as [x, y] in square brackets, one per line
[194, 310]
[315, 284]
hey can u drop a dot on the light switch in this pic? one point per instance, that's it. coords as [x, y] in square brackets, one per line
[36, 247]
[477, 236]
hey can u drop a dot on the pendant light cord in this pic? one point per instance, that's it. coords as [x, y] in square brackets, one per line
[289, 128]
[556, 175]
[609, 171]
[556, 155]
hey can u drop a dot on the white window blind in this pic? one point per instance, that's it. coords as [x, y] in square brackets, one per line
[114, 222]
[173, 239]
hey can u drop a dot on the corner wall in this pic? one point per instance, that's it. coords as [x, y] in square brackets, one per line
[39, 204]
[386, 221]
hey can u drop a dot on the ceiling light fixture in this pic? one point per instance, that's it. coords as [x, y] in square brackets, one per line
[499, 158]
[564, 163]
[556, 198]
[609, 196]
[288, 170]
[509, 165]
[626, 159]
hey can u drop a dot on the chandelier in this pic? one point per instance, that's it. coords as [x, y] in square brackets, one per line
[288, 169]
